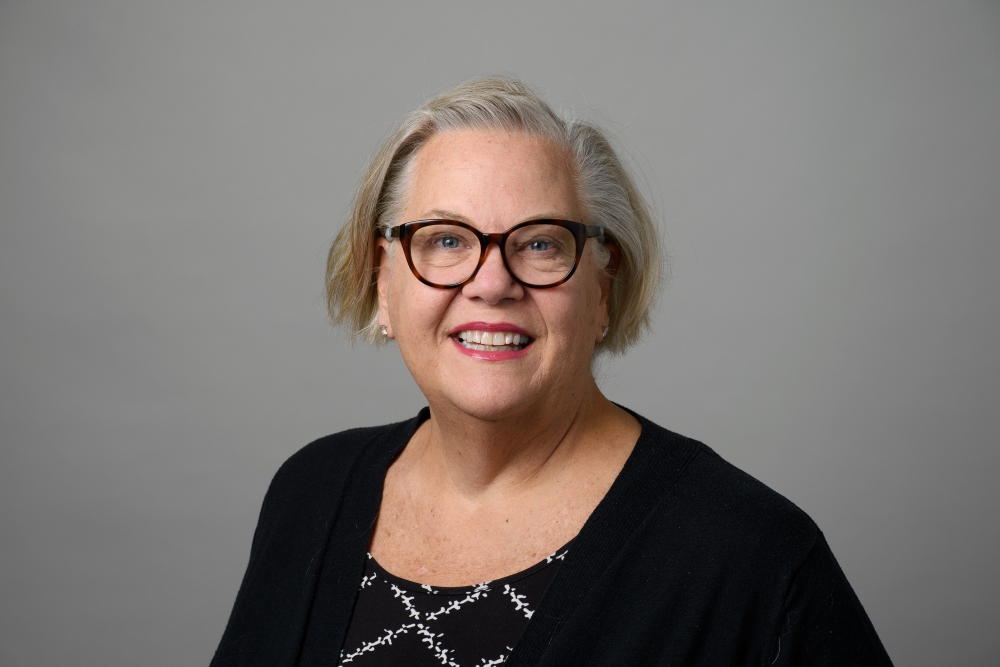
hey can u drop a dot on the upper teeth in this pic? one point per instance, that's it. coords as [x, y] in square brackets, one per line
[493, 338]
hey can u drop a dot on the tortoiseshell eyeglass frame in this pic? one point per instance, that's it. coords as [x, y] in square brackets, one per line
[405, 231]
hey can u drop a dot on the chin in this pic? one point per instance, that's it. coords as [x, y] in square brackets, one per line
[494, 407]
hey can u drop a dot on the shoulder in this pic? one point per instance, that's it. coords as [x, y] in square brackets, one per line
[724, 508]
[318, 473]
[326, 455]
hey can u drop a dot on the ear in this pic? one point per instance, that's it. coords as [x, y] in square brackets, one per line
[610, 271]
[607, 278]
[382, 275]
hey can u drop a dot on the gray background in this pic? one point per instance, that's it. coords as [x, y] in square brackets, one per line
[828, 178]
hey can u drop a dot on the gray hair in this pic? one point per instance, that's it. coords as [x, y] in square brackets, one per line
[608, 195]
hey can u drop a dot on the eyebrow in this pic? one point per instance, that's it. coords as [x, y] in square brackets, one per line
[444, 214]
[448, 215]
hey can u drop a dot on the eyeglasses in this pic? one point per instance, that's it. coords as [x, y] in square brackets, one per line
[537, 253]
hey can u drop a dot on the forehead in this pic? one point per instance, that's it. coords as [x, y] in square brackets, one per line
[491, 179]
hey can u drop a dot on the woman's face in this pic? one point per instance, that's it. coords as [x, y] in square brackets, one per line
[493, 181]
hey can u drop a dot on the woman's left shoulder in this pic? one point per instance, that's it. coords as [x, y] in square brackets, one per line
[692, 555]
[724, 503]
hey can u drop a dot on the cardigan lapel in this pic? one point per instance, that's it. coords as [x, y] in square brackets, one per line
[658, 459]
[344, 558]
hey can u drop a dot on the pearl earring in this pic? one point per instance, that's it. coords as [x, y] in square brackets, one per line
[383, 330]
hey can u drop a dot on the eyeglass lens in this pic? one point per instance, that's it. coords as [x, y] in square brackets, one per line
[536, 254]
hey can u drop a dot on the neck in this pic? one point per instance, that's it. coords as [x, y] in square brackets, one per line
[475, 456]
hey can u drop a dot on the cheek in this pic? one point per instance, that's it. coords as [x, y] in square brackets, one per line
[588, 296]
[415, 309]
[573, 312]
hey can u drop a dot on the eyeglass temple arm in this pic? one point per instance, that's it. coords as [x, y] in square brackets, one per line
[595, 231]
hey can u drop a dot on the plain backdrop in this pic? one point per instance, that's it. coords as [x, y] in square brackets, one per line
[826, 175]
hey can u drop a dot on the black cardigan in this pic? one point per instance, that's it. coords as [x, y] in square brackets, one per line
[686, 561]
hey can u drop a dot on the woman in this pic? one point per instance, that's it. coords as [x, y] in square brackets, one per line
[523, 518]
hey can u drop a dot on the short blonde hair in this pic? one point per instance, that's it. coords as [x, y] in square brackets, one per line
[608, 194]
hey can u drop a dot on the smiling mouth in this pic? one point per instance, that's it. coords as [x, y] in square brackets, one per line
[493, 341]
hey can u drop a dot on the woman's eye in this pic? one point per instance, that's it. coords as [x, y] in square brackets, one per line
[449, 242]
[541, 244]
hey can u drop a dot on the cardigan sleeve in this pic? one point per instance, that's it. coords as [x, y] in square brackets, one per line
[268, 605]
[271, 610]
[822, 621]
[308, 506]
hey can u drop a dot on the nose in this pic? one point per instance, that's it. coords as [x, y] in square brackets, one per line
[493, 283]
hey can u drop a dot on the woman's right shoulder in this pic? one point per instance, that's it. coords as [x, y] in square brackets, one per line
[326, 463]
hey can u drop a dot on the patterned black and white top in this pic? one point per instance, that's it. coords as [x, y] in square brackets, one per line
[399, 622]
